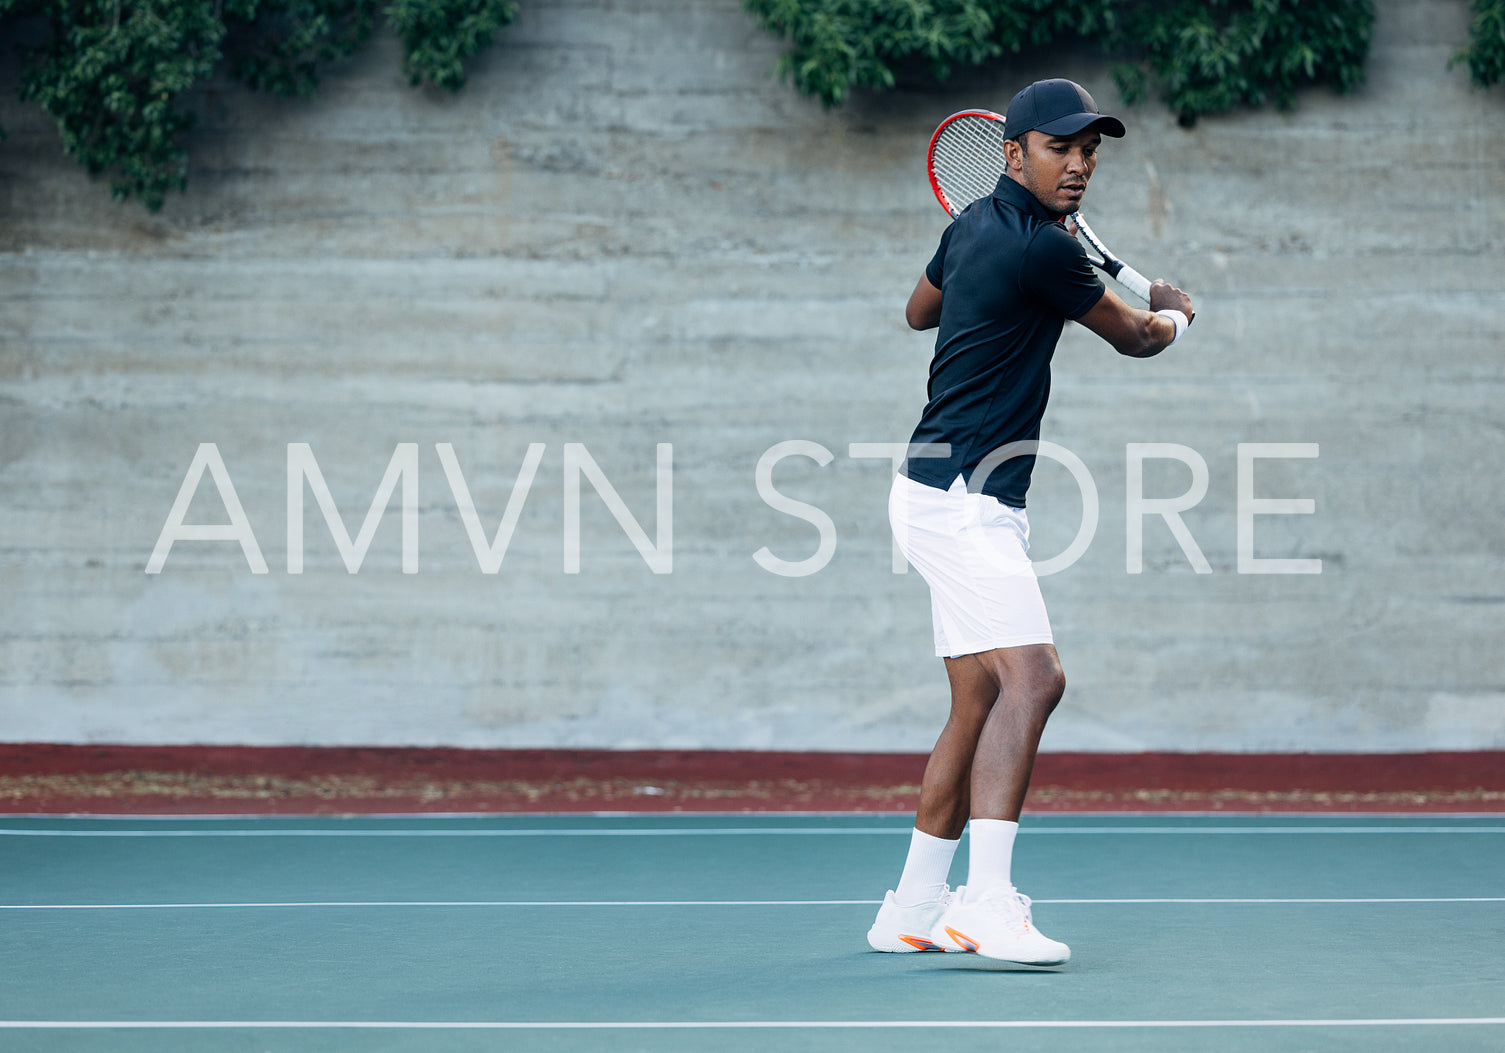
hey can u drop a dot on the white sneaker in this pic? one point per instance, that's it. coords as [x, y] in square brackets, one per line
[997, 925]
[903, 930]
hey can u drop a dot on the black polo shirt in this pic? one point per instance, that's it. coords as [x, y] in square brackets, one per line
[1010, 275]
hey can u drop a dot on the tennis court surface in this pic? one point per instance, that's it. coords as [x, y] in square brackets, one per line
[740, 932]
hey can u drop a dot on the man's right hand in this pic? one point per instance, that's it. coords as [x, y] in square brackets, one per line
[1166, 297]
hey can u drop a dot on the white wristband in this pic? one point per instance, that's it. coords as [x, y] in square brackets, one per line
[1179, 320]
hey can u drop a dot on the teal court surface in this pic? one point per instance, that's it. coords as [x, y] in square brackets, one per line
[740, 932]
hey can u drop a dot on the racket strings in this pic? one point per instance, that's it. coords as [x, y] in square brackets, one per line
[968, 159]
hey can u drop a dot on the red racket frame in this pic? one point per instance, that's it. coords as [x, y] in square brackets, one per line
[940, 195]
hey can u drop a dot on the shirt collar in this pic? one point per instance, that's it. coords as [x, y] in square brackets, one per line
[1011, 192]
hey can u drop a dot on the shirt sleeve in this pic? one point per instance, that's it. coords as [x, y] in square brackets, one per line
[935, 270]
[1056, 272]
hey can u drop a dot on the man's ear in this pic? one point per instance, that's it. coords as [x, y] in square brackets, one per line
[1013, 155]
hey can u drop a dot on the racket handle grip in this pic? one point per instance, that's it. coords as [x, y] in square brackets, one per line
[1135, 282]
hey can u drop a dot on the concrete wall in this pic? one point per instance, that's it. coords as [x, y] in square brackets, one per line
[626, 233]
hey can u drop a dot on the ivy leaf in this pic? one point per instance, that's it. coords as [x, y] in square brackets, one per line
[1485, 54]
[438, 36]
[279, 45]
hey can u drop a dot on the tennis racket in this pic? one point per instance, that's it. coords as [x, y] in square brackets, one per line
[964, 162]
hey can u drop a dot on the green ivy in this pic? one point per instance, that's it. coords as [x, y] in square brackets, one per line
[439, 35]
[280, 44]
[110, 76]
[1213, 57]
[1485, 54]
[1207, 56]
[115, 73]
[842, 44]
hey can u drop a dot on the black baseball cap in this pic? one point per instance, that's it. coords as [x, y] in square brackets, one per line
[1057, 107]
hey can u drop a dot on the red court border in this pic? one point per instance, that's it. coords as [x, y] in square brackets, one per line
[52, 778]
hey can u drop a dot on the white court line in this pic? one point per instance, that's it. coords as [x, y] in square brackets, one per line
[699, 1025]
[740, 831]
[256, 817]
[292, 904]
[455, 903]
[420, 832]
[1333, 899]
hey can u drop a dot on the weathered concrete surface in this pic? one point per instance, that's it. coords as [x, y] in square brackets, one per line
[624, 233]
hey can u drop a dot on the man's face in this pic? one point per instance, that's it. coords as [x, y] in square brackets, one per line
[1055, 168]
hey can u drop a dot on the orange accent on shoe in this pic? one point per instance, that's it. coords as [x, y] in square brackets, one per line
[919, 943]
[963, 941]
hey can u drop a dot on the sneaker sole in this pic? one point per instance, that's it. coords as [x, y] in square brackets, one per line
[1018, 961]
[963, 942]
[906, 945]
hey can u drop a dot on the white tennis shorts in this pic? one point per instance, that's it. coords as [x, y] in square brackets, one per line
[972, 550]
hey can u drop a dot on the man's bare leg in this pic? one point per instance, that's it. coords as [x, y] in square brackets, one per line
[945, 796]
[980, 767]
[946, 792]
[993, 919]
[1029, 685]
[981, 763]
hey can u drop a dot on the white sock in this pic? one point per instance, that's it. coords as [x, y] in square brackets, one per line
[991, 856]
[926, 869]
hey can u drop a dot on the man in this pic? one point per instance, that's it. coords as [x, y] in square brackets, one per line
[1000, 287]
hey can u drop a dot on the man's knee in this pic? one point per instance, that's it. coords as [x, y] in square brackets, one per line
[1045, 679]
[1052, 686]
[1034, 671]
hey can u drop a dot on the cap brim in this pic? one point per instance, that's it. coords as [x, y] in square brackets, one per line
[1073, 123]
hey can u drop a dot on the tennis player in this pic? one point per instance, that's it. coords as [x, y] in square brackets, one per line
[1004, 280]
